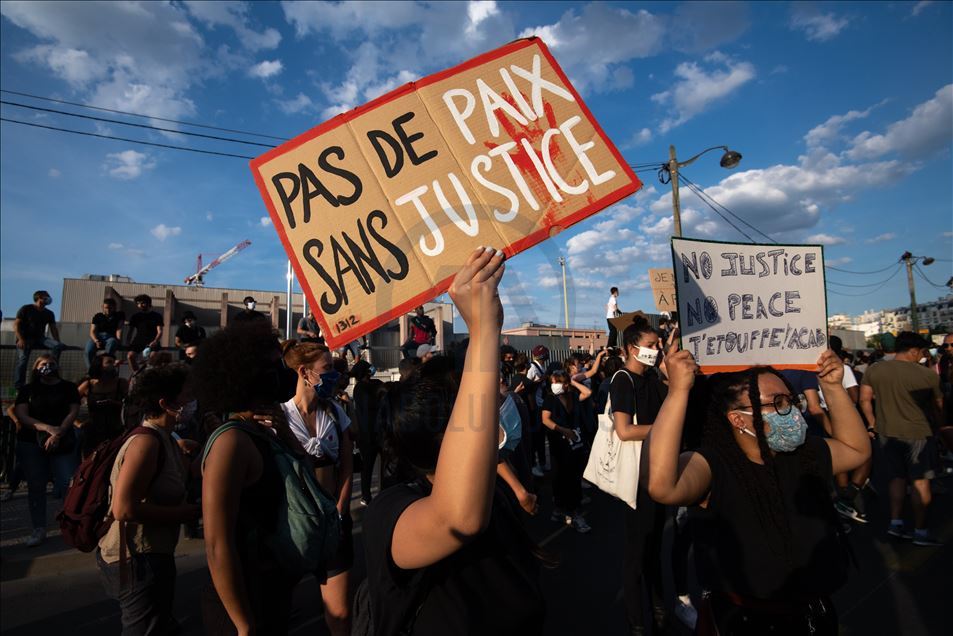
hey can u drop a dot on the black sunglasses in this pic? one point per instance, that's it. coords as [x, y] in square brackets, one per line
[783, 404]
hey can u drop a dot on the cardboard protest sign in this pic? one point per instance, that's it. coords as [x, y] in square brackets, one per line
[379, 207]
[741, 305]
[663, 289]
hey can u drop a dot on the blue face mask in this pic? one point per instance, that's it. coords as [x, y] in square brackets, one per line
[329, 380]
[787, 432]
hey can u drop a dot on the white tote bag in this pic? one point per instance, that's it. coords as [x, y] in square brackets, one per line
[613, 465]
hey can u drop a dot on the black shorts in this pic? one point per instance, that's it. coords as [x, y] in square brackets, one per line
[343, 559]
[909, 458]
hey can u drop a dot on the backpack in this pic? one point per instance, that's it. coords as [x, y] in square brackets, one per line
[86, 517]
[308, 527]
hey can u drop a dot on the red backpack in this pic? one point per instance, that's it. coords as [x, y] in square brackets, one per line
[86, 517]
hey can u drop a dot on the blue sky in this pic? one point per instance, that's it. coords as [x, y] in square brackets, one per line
[843, 112]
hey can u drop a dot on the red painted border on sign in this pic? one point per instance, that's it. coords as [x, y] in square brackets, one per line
[336, 340]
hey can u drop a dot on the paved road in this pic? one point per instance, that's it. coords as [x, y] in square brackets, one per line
[896, 588]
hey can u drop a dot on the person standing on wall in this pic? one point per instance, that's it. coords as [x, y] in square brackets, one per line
[30, 329]
[612, 311]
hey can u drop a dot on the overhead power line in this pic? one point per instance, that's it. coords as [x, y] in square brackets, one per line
[696, 190]
[131, 114]
[713, 202]
[924, 277]
[847, 271]
[879, 282]
[872, 291]
[133, 141]
[129, 123]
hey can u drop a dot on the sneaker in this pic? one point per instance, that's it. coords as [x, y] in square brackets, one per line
[39, 534]
[364, 501]
[849, 512]
[579, 524]
[897, 532]
[686, 613]
[925, 541]
[537, 471]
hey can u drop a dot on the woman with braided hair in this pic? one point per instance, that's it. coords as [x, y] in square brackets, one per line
[767, 547]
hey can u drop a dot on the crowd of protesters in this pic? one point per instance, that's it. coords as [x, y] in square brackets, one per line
[254, 443]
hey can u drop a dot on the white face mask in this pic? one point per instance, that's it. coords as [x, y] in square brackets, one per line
[558, 389]
[647, 356]
[922, 360]
[250, 305]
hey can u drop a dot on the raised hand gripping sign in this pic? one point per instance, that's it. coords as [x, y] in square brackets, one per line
[379, 207]
[741, 305]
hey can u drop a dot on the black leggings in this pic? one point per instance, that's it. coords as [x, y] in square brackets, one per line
[642, 557]
[369, 453]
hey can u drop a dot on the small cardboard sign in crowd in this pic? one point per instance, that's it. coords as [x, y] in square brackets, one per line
[741, 305]
[379, 207]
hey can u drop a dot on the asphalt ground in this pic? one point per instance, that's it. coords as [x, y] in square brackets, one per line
[894, 588]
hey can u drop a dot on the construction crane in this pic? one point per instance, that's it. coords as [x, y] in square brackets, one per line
[198, 278]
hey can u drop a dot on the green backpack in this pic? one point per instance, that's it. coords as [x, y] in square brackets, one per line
[308, 527]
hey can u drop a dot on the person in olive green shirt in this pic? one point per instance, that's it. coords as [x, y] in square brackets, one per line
[901, 400]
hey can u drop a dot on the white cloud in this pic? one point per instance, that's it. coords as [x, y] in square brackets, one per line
[817, 26]
[549, 282]
[585, 241]
[235, 16]
[209, 216]
[696, 89]
[366, 79]
[266, 69]
[829, 131]
[638, 138]
[162, 231]
[701, 26]
[836, 262]
[928, 129]
[595, 44]
[141, 57]
[128, 164]
[116, 246]
[920, 6]
[264, 221]
[54, 173]
[825, 239]
[880, 238]
[299, 104]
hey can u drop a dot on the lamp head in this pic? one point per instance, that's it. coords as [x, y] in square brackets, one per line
[730, 159]
[928, 260]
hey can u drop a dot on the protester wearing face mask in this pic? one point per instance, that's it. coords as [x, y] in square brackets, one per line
[147, 487]
[636, 397]
[562, 414]
[30, 331]
[46, 441]
[766, 542]
[190, 333]
[248, 314]
[322, 428]
[104, 392]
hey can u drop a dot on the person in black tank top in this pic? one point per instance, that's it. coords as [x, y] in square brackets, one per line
[767, 548]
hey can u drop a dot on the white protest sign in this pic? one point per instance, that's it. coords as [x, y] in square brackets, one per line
[741, 305]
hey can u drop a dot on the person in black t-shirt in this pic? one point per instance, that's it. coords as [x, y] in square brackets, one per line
[46, 442]
[190, 333]
[447, 554]
[145, 330]
[563, 414]
[248, 314]
[368, 393]
[309, 330]
[636, 396]
[105, 331]
[30, 331]
[766, 540]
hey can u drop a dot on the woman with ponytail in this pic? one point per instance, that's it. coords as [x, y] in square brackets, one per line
[322, 427]
[767, 548]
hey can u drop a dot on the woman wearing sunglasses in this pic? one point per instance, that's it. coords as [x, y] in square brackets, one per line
[767, 548]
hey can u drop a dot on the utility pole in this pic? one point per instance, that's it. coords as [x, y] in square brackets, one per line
[562, 265]
[909, 260]
[676, 204]
[289, 302]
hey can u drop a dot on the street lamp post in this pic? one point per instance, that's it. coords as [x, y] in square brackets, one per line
[562, 265]
[909, 260]
[729, 160]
